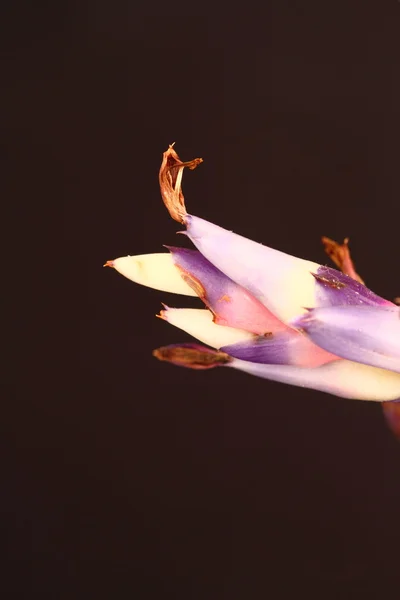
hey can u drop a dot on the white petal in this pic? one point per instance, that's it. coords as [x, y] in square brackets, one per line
[342, 378]
[199, 323]
[153, 270]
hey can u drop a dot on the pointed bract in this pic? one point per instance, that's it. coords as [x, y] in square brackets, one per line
[152, 270]
[281, 282]
[284, 348]
[198, 322]
[230, 303]
[366, 334]
[341, 378]
[334, 288]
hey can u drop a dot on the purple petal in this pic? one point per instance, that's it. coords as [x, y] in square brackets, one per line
[366, 334]
[274, 351]
[230, 303]
[286, 348]
[282, 283]
[334, 288]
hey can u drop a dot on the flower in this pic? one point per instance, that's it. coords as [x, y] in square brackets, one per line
[270, 314]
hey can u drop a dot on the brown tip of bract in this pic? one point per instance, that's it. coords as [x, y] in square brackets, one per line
[109, 263]
[340, 256]
[170, 179]
[391, 410]
[161, 315]
[192, 356]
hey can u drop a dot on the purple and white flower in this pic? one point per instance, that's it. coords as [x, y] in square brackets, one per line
[270, 314]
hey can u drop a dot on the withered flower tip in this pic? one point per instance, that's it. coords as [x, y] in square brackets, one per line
[192, 356]
[170, 178]
[340, 256]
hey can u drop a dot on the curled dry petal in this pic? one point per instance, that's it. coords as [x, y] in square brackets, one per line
[170, 178]
[340, 255]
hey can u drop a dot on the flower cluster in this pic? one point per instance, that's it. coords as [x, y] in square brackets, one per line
[270, 314]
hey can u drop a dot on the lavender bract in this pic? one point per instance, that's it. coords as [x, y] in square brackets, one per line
[367, 334]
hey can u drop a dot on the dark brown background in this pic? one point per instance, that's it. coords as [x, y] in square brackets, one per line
[126, 478]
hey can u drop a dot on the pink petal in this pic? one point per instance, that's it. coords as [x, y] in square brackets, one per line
[230, 303]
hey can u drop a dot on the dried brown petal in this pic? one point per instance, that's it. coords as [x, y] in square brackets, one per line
[170, 178]
[340, 255]
[192, 356]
